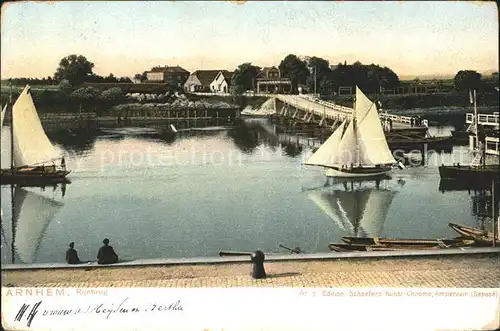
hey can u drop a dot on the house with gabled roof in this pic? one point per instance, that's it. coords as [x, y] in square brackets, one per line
[200, 80]
[222, 82]
[269, 80]
[174, 75]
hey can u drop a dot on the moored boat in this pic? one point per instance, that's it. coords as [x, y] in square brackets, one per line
[402, 241]
[481, 237]
[470, 173]
[440, 244]
[478, 170]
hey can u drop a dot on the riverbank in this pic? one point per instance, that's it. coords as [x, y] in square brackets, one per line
[462, 271]
[144, 97]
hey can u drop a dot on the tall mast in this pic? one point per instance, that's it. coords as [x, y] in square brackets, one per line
[11, 129]
[13, 225]
[354, 127]
[476, 118]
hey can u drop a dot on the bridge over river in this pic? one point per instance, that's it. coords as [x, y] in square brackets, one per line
[309, 109]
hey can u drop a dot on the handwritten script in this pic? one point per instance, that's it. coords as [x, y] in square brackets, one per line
[107, 310]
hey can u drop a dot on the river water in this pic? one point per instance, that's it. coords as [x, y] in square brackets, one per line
[240, 187]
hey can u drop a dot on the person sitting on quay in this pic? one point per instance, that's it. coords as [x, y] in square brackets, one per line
[106, 254]
[72, 255]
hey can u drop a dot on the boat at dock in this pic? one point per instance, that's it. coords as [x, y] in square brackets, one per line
[357, 149]
[439, 244]
[471, 173]
[478, 170]
[32, 154]
[482, 237]
[401, 241]
[409, 142]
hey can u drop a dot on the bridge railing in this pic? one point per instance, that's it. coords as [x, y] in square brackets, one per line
[325, 111]
[484, 119]
[396, 118]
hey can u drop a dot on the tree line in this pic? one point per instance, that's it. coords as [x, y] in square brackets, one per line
[316, 74]
[309, 73]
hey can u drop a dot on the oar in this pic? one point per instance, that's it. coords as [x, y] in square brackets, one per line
[297, 250]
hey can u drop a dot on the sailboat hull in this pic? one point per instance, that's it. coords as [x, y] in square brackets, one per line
[36, 175]
[361, 172]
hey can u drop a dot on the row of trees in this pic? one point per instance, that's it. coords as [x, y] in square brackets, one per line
[76, 69]
[315, 73]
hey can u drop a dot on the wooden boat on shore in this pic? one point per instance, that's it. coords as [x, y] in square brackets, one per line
[481, 237]
[441, 244]
[402, 242]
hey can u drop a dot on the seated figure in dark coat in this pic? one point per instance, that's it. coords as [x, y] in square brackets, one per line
[106, 254]
[72, 255]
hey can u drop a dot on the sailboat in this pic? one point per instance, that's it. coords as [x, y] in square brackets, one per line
[478, 170]
[361, 149]
[361, 213]
[32, 154]
[31, 214]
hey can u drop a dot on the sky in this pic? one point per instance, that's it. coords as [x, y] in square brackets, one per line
[125, 38]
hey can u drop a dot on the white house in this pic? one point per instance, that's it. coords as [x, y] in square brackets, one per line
[221, 82]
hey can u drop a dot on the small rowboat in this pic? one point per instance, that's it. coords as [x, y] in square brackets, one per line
[451, 243]
[482, 237]
[401, 242]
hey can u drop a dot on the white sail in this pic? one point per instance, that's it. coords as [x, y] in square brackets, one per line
[32, 215]
[3, 114]
[373, 148]
[5, 147]
[346, 153]
[324, 156]
[375, 212]
[362, 143]
[31, 144]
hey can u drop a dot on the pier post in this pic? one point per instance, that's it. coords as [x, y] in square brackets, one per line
[258, 270]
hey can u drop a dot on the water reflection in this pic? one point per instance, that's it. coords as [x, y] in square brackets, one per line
[245, 137]
[481, 198]
[78, 141]
[30, 211]
[357, 209]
